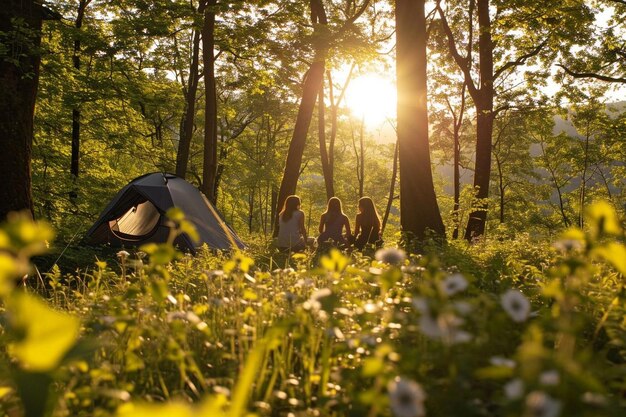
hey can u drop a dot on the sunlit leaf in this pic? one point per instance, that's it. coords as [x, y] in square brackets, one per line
[615, 254]
[8, 271]
[175, 214]
[27, 235]
[188, 228]
[172, 409]
[603, 219]
[4, 391]
[47, 335]
[335, 261]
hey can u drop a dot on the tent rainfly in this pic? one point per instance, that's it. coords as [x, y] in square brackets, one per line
[137, 215]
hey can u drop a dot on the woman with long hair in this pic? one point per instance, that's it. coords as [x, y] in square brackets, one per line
[332, 224]
[291, 230]
[367, 224]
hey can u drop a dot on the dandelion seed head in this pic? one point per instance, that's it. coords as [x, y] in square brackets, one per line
[453, 284]
[514, 389]
[550, 378]
[406, 398]
[516, 305]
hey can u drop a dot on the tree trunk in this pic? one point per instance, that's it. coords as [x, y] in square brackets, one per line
[553, 176]
[209, 172]
[321, 120]
[311, 87]
[457, 183]
[418, 203]
[501, 188]
[251, 196]
[457, 124]
[333, 120]
[19, 81]
[392, 188]
[312, 83]
[362, 158]
[75, 163]
[484, 124]
[186, 133]
[583, 182]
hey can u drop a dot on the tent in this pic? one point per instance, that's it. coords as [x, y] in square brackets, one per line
[136, 215]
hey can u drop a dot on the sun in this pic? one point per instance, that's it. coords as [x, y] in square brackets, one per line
[372, 97]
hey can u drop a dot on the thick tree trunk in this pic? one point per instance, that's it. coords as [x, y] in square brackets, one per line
[19, 81]
[321, 120]
[310, 90]
[484, 124]
[186, 131]
[312, 84]
[209, 172]
[418, 203]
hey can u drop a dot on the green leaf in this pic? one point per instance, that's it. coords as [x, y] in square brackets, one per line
[47, 335]
[172, 409]
[335, 261]
[8, 271]
[603, 219]
[4, 391]
[615, 254]
[188, 228]
[175, 214]
[373, 366]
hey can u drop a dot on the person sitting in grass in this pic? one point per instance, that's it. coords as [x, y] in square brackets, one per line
[291, 231]
[332, 224]
[367, 225]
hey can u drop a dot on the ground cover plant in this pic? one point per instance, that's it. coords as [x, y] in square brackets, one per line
[157, 332]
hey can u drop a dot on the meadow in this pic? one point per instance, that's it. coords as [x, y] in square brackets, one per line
[510, 326]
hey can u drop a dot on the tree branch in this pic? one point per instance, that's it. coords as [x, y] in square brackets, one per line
[600, 77]
[461, 61]
[521, 59]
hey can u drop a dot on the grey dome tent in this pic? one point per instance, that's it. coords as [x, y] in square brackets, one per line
[136, 215]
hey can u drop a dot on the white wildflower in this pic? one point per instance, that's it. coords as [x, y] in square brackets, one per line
[462, 307]
[540, 404]
[406, 398]
[453, 284]
[313, 303]
[304, 283]
[429, 326]
[593, 398]
[514, 389]
[420, 304]
[516, 305]
[550, 378]
[123, 254]
[568, 245]
[444, 327]
[391, 256]
[500, 361]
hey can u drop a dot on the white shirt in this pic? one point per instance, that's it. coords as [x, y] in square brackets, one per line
[289, 231]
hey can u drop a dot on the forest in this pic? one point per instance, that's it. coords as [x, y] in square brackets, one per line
[152, 150]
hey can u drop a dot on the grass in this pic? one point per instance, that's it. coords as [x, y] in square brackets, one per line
[321, 335]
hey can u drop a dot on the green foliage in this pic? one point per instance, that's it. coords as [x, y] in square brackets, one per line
[505, 327]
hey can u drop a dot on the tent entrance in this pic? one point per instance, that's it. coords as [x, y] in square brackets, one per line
[139, 222]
